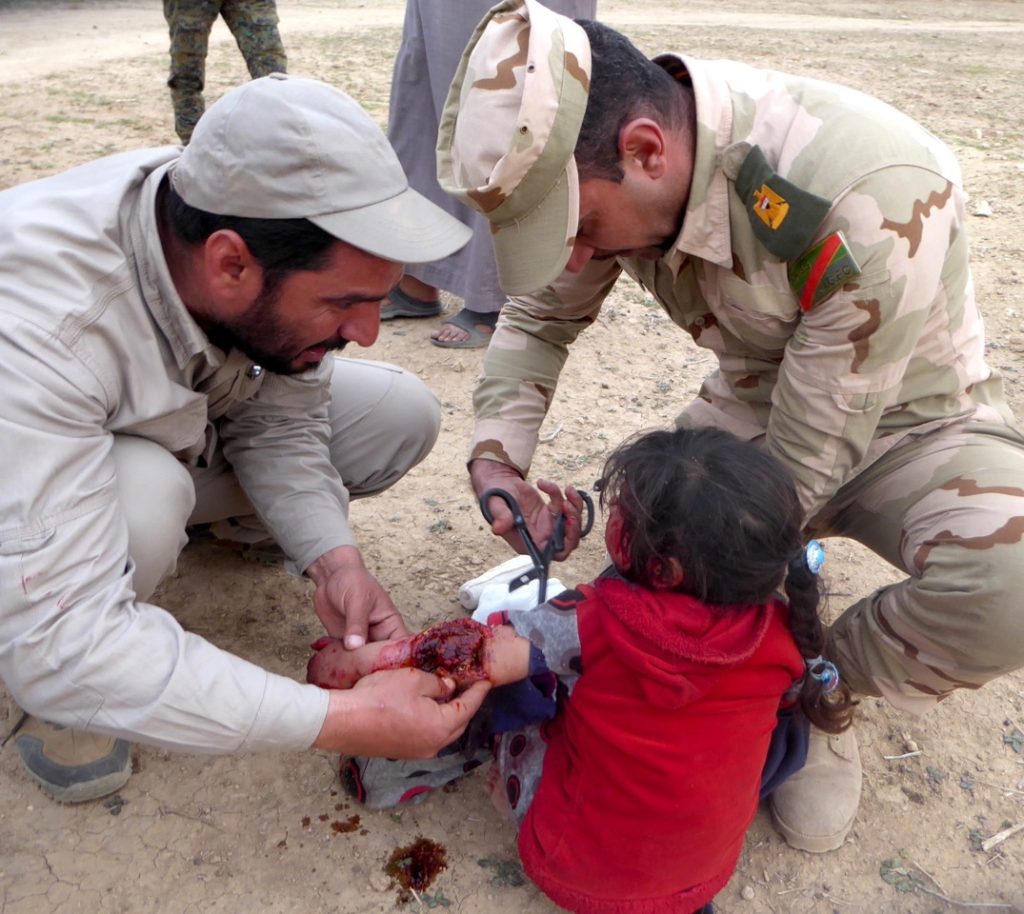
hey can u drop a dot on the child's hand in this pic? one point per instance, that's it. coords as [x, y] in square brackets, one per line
[334, 666]
[506, 656]
[460, 649]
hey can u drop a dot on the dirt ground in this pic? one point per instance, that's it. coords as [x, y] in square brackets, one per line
[273, 833]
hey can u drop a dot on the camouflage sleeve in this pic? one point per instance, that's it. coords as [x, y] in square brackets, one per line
[852, 357]
[525, 358]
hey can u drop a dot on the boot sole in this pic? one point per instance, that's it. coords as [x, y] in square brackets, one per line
[86, 791]
[75, 783]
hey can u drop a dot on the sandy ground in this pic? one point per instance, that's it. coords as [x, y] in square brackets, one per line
[267, 833]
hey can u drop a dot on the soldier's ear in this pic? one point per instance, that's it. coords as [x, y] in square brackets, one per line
[232, 275]
[642, 146]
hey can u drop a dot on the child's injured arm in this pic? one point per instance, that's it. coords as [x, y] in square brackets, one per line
[460, 649]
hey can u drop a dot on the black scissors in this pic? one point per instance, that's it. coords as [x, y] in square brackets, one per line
[541, 558]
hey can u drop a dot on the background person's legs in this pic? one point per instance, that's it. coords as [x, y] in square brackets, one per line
[254, 25]
[189, 22]
[434, 36]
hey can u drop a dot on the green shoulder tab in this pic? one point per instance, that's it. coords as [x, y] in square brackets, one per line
[784, 217]
[822, 269]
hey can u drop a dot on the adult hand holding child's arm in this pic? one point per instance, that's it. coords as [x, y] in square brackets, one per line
[460, 649]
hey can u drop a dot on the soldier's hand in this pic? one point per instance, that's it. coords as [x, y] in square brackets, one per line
[539, 512]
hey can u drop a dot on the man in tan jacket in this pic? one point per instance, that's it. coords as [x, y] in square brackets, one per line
[167, 327]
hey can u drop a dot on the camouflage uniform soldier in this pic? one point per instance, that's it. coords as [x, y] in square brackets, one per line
[254, 25]
[813, 239]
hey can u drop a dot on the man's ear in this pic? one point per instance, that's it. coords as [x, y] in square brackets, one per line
[642, 145]
[233, 277]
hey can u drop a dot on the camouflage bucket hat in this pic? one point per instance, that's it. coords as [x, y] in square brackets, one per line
[508, 131]
[284, 147]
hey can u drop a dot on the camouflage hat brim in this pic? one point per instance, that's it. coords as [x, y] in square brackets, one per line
[531, 252]
[507, 135]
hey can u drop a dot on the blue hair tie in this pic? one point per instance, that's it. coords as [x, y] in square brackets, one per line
[814, 556]
[825, 672]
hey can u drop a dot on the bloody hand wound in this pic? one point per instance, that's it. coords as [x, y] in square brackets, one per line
[456, 649]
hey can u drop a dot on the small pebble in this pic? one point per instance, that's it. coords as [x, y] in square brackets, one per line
[911, 746]
[747, 893]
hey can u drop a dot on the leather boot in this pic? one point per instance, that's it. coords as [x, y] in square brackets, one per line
[73, 766]
[815, 808]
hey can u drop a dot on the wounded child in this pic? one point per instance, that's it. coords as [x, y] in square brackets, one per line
[650, 710]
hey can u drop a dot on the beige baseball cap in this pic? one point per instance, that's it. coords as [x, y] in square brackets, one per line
[284, 147]
[508, 131]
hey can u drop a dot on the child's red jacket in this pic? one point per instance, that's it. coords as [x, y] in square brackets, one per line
[652, 769]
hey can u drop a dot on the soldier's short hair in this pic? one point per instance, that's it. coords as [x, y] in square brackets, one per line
[624, 85]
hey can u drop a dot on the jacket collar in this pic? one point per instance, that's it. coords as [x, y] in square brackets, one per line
[705, 233]
[187, 341]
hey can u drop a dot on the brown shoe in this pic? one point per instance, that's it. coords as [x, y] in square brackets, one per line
[815, 808]
[73, 766]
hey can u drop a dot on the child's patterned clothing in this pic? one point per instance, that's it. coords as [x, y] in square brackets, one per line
[658, 746]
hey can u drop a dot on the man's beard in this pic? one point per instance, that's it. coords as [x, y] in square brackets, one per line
[262, 337]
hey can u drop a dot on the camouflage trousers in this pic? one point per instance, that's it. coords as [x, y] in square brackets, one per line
[254, 25]
[948, 510]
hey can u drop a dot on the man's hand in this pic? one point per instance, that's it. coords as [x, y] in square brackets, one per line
[398, 714]
[458, 649]
[539, 513]
[349, 600]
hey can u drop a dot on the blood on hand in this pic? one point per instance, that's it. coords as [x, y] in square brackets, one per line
[456, 649]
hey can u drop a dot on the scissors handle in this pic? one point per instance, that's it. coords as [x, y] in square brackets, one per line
[541, 559]
[520, 522]
[507, 497]
[588, 514]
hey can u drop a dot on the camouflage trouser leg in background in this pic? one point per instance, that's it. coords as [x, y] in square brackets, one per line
[254, 25]
[189, 22]
[948, 509]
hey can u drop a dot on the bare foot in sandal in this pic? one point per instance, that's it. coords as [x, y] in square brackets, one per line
[466, 329]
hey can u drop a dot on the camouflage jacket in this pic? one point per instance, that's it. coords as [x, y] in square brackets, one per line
[832, 347]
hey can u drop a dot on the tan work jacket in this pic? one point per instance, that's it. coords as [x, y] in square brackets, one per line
[96, 342]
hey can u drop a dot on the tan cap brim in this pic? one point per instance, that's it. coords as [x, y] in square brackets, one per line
[407, 228]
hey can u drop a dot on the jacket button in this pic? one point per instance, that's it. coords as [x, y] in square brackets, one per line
[255, 371]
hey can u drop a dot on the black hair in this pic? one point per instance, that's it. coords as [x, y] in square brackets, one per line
[280, 246]
[727, 512]
[624, 85]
